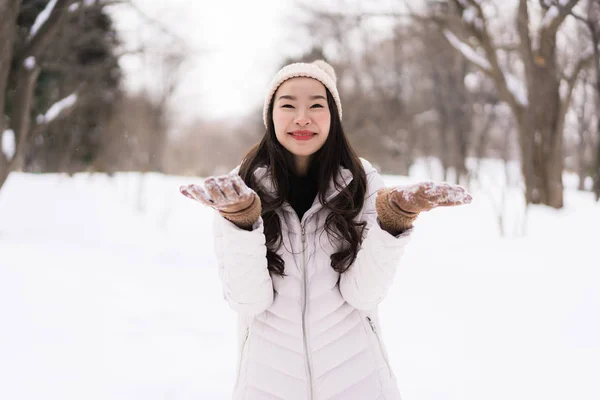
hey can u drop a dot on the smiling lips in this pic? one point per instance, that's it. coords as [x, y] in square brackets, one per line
[302, 135]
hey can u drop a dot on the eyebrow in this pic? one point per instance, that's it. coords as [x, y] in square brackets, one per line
[288, 97]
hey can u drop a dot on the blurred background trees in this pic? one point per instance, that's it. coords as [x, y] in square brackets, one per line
[81, 59]
[457, 81]
[465, 58]
[65, 108]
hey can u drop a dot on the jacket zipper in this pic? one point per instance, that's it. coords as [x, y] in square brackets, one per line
[239, 371]
[387, 362]
[304, 333]
[304, 302]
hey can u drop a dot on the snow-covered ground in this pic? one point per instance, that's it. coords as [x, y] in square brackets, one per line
[108, 295]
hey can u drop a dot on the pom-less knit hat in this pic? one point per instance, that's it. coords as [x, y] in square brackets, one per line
[318, 70]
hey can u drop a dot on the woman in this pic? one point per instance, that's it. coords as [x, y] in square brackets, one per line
[308, 241]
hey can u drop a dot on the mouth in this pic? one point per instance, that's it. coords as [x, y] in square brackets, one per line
[302, 135]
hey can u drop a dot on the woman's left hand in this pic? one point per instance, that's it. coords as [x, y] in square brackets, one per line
[425, 196]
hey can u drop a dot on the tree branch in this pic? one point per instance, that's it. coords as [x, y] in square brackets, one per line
[40, 39]
[479, 31]
[507, 46]
[60, 109]
[358, 17]
[467, 52]
[476, 23]
[526, 46]
[571, 82]
[20, 118]
[85, 70]
[80, 5]
[564, 12]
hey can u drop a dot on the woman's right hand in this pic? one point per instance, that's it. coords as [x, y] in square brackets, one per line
[227, 193]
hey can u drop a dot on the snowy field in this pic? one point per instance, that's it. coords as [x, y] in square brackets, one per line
[106, 294]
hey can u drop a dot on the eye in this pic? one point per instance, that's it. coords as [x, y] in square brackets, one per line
[287, 106]
[317, 106]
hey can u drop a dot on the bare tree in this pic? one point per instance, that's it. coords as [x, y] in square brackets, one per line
[22, 79]
[82, 58]
[591, 21]
[535, 100]
[524, 65]
[583, 110]
[373, 76]
[450, 99]
[9, 9]
[25, 77]
[593, 24]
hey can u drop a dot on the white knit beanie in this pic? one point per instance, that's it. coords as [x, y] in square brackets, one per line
[318, 70]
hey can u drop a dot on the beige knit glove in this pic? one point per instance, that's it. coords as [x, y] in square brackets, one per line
[229, 195]
[398, 207]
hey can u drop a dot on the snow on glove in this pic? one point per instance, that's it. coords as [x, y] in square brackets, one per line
[229, 195]
[398, 207]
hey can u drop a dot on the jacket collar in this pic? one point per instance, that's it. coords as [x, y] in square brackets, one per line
[342, 179]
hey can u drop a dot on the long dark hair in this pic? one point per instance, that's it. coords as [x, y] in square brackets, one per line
[336, 152]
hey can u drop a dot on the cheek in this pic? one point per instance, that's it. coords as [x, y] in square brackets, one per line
[280, 122]
[324, 122]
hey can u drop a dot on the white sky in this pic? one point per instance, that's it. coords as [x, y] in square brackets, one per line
[237, 47]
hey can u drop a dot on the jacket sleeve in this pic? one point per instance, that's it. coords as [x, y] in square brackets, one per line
[242, 260]
[366, 282]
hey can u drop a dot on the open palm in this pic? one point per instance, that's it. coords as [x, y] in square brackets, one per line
[227, 193]
[424, 196]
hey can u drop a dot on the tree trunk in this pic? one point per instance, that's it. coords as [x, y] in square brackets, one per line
[25, 78]
[21, 112]
[597, 165]
[582, 128]
[444, 124]
[542, 130]
[542, 164]
[9, 9]
[581, 168]
[597, 169]
[595, 30]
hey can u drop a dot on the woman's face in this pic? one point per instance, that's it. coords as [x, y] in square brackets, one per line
[301, 117]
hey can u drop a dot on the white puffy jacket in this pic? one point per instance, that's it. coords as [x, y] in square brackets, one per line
[313, 334]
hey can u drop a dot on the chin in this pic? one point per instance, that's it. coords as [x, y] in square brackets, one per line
[304, 153]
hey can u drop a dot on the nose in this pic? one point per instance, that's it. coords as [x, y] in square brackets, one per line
[302, 119]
